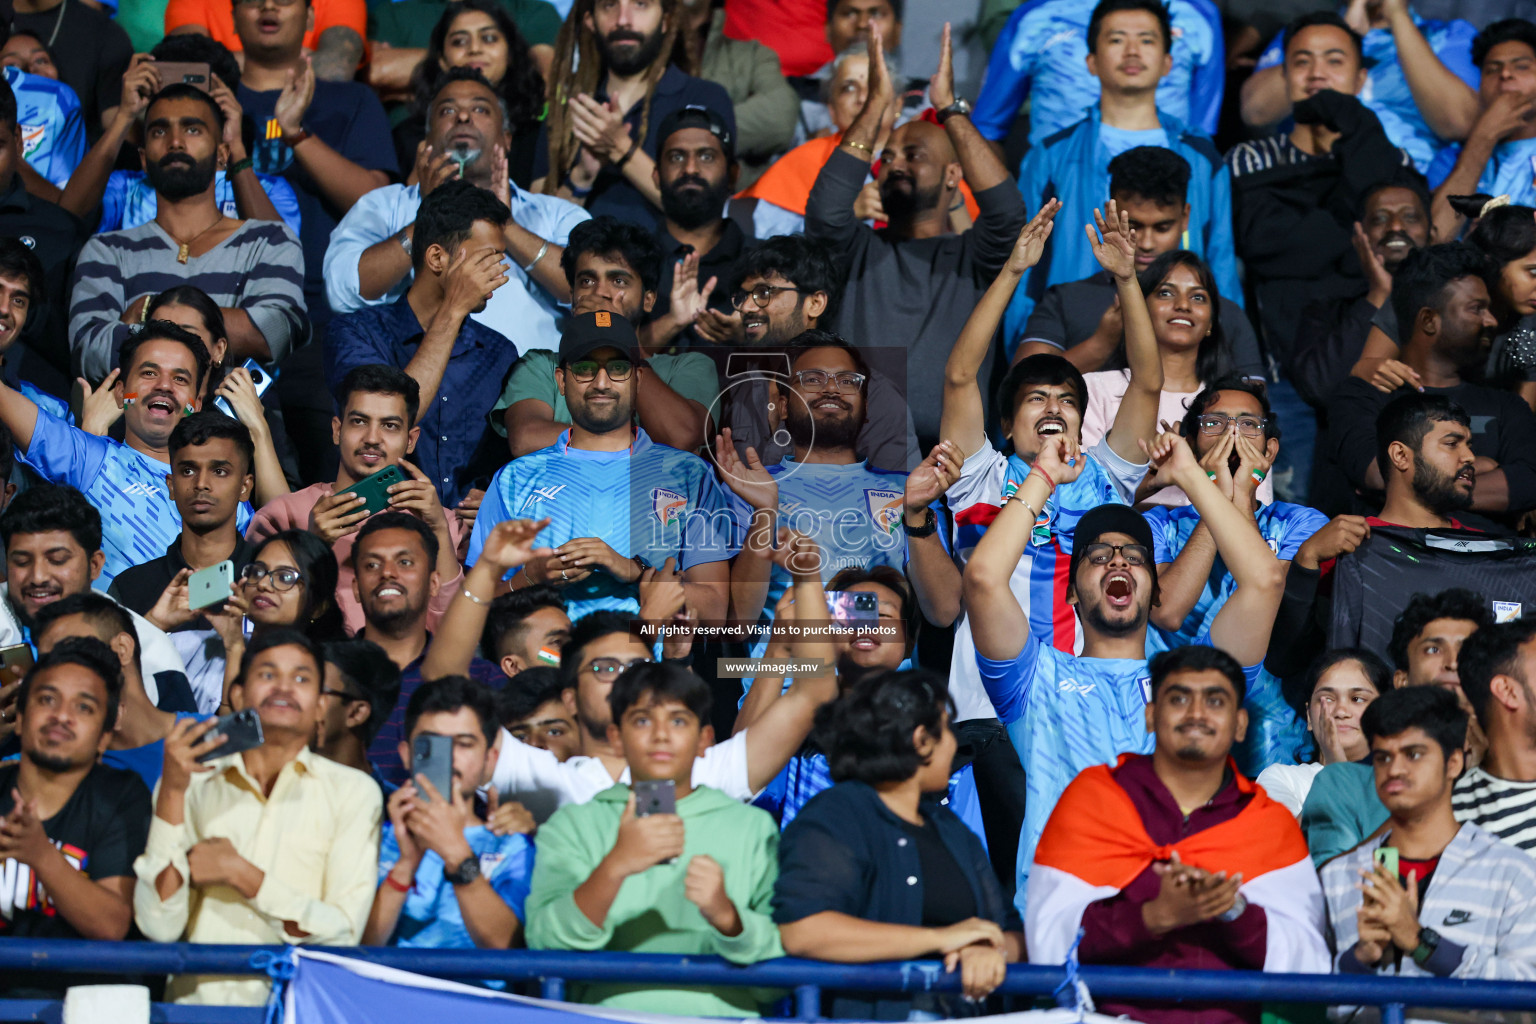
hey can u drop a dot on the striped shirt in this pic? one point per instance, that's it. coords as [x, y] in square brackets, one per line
[1258, 155]
[259, 268]
[1505, 808]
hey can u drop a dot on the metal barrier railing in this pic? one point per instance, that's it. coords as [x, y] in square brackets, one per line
[806, 979]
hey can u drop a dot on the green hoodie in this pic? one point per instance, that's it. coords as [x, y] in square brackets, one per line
[650, 914]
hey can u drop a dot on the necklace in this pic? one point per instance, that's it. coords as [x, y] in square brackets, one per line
[184, 252]
[59, 20]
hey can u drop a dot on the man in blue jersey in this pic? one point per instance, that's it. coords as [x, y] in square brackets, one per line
[1129, 53]
[49, 123]
[1065, 713]
[619, 502]
[1042, 56]
[1236, 435]
[162, 370]
[1421, 80]
[852, 510]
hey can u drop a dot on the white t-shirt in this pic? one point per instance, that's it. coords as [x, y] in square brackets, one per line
[976, 497]
[543, 784]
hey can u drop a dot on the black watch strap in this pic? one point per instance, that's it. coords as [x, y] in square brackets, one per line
[928, 529]
[467, 871]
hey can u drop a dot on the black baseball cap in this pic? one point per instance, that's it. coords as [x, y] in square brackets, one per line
[585, 333]
[696, 116]
[1112, 519]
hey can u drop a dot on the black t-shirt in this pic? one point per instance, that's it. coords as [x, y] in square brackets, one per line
[101, 830]
[92, 52]
[947, 896]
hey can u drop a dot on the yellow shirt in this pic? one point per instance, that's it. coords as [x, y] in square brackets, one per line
[316, 838]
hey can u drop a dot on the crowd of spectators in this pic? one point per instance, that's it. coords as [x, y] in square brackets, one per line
[677, 476]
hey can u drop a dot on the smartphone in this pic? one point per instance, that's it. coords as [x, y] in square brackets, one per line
[210, 586]
[1387, 855]
[853, 606]
[17, 659]
[184, 72]
[260, 376]
[241, 731]
[432, 756]
[375, 488]
[654, 796]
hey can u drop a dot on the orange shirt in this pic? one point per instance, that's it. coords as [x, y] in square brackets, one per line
[218, 17]
[787, 183]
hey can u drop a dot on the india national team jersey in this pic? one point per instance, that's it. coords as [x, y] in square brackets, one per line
[853, 512]
[1065, 713]
[1276, 734]
[129, 200]
[650, 500]
[138, 518]
[1040, 580]
[48, 118]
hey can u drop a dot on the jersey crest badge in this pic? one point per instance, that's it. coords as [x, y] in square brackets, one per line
[668, 506]
[885, 509]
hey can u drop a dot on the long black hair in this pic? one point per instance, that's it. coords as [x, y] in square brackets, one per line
[522, 87]
[1213, 360]
[320, 617]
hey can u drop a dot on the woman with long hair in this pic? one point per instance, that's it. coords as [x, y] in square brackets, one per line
[589, 149]
[480, 34]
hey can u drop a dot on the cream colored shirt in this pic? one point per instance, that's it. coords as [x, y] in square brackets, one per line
[316, 838]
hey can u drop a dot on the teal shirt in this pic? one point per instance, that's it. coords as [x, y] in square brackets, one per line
[1342, 809]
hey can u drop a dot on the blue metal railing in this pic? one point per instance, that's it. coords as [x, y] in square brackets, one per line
[807, 979]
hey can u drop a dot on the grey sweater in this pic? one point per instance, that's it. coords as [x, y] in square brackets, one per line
[259, 268]
[910, 297]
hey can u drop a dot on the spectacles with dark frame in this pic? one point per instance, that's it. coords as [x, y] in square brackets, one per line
[326, 691]
[1102, 554]
[1213, 423]
[820, 380]
[609, 669]
[284, 578]
[585, 370]
[760, 296]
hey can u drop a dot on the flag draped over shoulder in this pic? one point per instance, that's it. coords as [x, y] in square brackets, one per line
[1095, 844]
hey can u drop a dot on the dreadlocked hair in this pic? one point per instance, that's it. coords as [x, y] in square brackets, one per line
[578, 67]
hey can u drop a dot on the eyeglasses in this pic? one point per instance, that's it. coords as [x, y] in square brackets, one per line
[326, 691]
[761, 295]
[608, 669]
[283, 577]
[1101, 554]
[821, 380]
[1218, 422]
[585, 370]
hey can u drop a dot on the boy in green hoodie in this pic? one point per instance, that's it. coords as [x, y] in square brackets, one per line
[699, 881]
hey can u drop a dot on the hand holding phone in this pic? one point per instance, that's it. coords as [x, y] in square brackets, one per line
[241, 732]
[1386, 856]
[432, 758]
[650, 831]
[210, 586]
[375, 488]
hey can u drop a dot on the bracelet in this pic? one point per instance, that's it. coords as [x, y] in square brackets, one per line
[621, 161]
[1043, 473]
[300, 136]
[578, 192]
[1033, 513]
[238, 166]
[479, 601]
[866, 147]
[529, 268]
[389, 880]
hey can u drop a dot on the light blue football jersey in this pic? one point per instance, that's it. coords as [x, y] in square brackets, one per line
[52, 130]
[130, 201]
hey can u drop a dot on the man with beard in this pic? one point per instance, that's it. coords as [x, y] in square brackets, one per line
[458, 363]
[1442, 306]
[823, 489]
[254, 269]
[1066, 713]
[620, 503]
[696, 174]
[70, 827]
[1394, 221]
[912, 284]
[368, 259]
[1174, 859]
[52, 539]
[601, 143]
[161, 372]
[375, 427]
[615, 266]
[395, 580]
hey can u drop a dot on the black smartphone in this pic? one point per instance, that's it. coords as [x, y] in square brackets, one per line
[184, 73]
[654, 796]
[432, 756]
[241, 731]
[375, 488]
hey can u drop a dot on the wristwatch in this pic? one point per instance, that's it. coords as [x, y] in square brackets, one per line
[1429, 941]
[1235, 911]
[928, 529]
[404, 238]
[960, 106]
[467, 871]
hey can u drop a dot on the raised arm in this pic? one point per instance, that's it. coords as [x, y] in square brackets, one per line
[1136, 418]
[978, 160]
[508, 546]
[963, 420]
[935, 577]
[1448, 105]
[1507, 113]
[341, 181]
